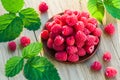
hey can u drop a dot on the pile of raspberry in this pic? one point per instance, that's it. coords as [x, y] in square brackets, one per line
[72, 35]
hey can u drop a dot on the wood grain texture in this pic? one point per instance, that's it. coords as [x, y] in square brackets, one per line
[79, 71]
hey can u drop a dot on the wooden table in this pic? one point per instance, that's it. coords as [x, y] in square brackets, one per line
[79, 71]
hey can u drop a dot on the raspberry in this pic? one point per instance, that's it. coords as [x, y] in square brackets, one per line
[96, 40]
[73, 58]
[71, 50]
[90, 27]
[81, 52]
[43, 7]
[58, 48]
[63, 18]
[59, 40]
[85, 14]
[86, 31]
[96, 66]
[80, 44]
[93, 21]
[49, 25]
[90, 40]
[68, 12]
[45, 34]
[52, 35]
[89, 49]
[77, 14]
[80, 36]
[70, 40]
[79, 26]
[56, 29]
[57, 17]
[107, 56]
[97, 32]
[57, 21]
[71, 20]
[24, 41]
[12, 46]
[66, 30]
[110, 72]
[61, 56]
[84, 20]
[50, 43]
[110, 29]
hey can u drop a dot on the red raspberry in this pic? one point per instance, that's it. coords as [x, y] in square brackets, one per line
[24, 41]
[57, 21]
[90, 27]
[71, 50]
[93, 21]
[66, 30]
[43, 7]
[110, 29]
[80, 44]
[45, 34]
[110, 72]
[73, 58]
[96, 66]
[59, 40]
[85, 14]
[81, 52]
[90, 40]
[96, 40]
[63, 18]
[58, 48]
[107, 56]
[57, 17]
[70, 40]
[56, 29]
[97, 32]
[12, 46]
[52, 35]
[49, 25]
[84, 20]
[71, 20]
[79, 26]
[50, 43]
[77, 14]
[86, 31]
[89, 49]
[61, 56]
[68, 12]
[80, 36]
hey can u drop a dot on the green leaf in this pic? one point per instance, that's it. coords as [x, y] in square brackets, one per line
[113, 8]
[96, 9]
[30, 18]
[13, 66]
[39, 68]
[13, 6]
[32, 50]
[10, 27]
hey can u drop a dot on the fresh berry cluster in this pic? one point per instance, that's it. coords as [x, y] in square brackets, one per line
[72, 35]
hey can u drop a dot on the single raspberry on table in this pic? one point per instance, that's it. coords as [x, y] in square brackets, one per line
[81, 52]
[66, 30]
[70, 40]
[110, 29]
[45, 34]
[107, 56]
[71, 20]
[59, 48]
[79, 26]
[96, 66]
[85, 14]
[93, 21]
[56, 29]
[61, 56]
[110, 72]
[59, 40]
[73, 58]
[50, 43]
[80, 36]
[12, 46]
[25, 41]
[90, 27]
[43, 7]
[97, 32]
[71, 49]
[89, 49]
[90, 40]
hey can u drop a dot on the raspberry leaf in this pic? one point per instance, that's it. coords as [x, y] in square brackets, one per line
[32, 50]
[13, 66]
[9, 28]
[13, 6]
[39, 68]
[113, 7]
[96, 9]
[30, 18]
